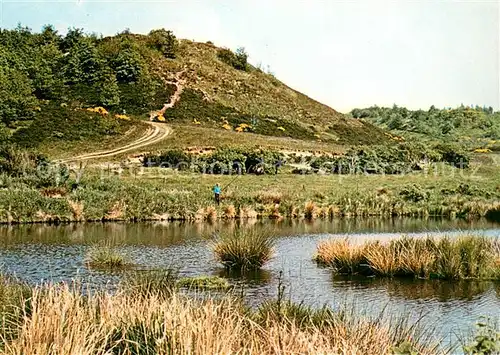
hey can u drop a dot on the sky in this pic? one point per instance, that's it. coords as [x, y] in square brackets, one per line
[346, 54]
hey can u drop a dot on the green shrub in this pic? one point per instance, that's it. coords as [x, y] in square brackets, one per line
[486, 340]
[453, 154]
[164, 41]
[237, 60]
[414, 193]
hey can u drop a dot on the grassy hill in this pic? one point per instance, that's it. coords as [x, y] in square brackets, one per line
[51, 88]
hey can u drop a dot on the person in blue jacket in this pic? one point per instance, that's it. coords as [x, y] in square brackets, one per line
[217, 191]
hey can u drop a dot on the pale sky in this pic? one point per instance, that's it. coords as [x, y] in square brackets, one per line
[345, 54]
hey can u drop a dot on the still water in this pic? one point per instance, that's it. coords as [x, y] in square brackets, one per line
[39, 253]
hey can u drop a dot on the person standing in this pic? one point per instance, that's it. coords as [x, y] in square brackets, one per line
[217, 191]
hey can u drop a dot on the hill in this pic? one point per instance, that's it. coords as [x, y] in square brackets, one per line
[476, 128]
[82, 92]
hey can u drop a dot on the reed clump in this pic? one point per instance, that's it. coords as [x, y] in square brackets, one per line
[463, 257]
[120, 323]
[204, 283]
[244, 249]
[106, 257]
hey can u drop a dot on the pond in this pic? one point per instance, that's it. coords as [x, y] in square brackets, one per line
[39, 253]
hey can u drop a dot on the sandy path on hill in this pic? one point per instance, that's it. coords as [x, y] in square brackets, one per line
[154, 134]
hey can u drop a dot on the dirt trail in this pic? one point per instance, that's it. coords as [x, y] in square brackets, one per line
[179, 84]
[157, 131]
[154, 134]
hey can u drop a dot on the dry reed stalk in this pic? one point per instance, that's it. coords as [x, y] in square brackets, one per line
[63, 321]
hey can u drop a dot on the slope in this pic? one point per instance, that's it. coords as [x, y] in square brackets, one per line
[83, 93]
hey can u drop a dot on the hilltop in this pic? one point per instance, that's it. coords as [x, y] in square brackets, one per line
[80, 92]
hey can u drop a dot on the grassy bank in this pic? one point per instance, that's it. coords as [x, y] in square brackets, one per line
[464, 257]
[162, 194]
[158, 323]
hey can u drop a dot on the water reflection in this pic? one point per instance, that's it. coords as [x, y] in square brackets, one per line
[411, 289]
[175, 233]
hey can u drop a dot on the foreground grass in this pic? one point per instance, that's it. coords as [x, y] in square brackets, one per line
[155, 194]
[121, 323]
[464, 257]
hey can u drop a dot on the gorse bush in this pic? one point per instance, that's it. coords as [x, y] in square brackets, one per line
[244, 249]
[464, 257]
[164, 41]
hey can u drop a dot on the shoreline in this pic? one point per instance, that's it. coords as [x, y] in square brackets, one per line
[133, 220]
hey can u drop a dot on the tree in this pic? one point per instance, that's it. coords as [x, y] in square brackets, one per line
[108, 91]
[164, 41]
[74, 36]
[241, 58]
[237, 60]
[49, 35]
[16, 96]
[128, 65]
[84, 65]
[45, 74]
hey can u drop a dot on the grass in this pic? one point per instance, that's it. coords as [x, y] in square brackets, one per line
[15, 304]
[106, 257]
[463, 257]
[204, 283]
[244, 249]
[121, 323]
[153, 194]
[147, 283]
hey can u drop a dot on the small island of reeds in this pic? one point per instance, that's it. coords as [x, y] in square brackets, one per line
[244, 249]
[451, 258]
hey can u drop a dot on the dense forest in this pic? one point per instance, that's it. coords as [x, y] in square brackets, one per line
[78, 69]
[475, 124]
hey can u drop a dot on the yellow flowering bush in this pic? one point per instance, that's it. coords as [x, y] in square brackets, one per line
[160, 118]
[123, 117]
[100, 110]
[227, 127]
[239, 129]
[482, 150]
[196, 122]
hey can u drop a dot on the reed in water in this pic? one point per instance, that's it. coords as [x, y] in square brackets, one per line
[463, 257]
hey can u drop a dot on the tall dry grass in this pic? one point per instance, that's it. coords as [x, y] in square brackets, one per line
[245, 249]
[341, 255]
[463, 257]
[62, 321]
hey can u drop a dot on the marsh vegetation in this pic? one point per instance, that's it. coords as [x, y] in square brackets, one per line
[463, 257]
